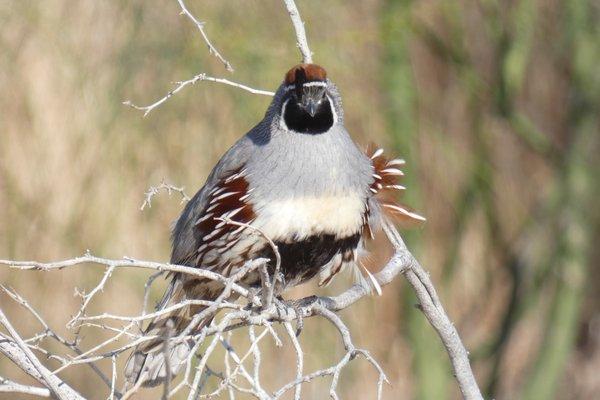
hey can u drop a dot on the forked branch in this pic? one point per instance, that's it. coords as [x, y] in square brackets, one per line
[259, 314]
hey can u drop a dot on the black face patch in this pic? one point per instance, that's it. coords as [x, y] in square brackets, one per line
[299, 120]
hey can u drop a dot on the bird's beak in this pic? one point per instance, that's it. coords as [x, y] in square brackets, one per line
[311, 107]
[310, 99]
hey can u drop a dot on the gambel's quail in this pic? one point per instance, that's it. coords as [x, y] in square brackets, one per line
[298, 177]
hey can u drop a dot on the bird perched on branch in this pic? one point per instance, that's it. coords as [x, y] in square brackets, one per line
[299, 179]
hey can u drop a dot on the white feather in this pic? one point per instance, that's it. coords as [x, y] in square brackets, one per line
[396, 161]
[377, 153]
[393, 171]
[405, 211]
[397, 187]
[373, 281]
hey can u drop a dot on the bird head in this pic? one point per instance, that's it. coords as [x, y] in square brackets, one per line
[308, 100]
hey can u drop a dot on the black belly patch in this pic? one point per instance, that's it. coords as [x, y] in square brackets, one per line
[302, 260]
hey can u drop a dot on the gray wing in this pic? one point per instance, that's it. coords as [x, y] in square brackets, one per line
[188, 234]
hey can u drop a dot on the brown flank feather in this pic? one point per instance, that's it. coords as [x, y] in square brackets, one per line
[386, 174]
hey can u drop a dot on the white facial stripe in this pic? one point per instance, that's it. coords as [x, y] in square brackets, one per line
[282, 120]
[317, 83]
[335, 116]
[307, 84]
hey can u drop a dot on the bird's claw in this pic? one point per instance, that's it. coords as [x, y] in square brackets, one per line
[282, 307]
[297, 306]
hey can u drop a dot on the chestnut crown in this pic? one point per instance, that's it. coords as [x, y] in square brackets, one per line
[305, 73]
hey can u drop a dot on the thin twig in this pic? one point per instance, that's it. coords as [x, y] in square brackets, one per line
[154, 190]
[113, 381]
[299, 358]
[200, 25]
[301, 41]
[123, 263]
[87, 298]
[197, 78]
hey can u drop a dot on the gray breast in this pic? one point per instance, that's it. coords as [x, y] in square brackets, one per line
[289, 164]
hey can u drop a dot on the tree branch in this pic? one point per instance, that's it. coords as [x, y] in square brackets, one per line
[401, 262]
[200, 25]
[35, 369]
[154, 190]
[200, 77]
[45, 377]
[301, 41]
[8, 386]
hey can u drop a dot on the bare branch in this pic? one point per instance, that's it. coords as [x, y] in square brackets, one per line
[17, 355]
[301, 41]
[123, 263]
[200, 77]
[200, 25]
[48, 332]
[113, 382]
[256, 314]
[8, 386]
[46, 377]
[437, 317]
[299, 359]
[87, 298]
[154, 190]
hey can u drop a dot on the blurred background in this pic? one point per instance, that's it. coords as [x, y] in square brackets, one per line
[494, 104]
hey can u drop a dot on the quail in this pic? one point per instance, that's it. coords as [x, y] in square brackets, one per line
[299, 179]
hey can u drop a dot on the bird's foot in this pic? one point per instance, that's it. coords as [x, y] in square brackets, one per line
[253, 294]
[286, 306]
[283, 307]
[307, 301]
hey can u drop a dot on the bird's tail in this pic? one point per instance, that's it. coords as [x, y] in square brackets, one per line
[151, 361]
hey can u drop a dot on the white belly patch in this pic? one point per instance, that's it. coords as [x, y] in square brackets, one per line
[303, 217]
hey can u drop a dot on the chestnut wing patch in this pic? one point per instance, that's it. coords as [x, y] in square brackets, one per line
[228, 200]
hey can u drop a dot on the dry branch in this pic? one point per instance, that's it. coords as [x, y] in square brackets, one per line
[255, 314]
[8, 386]
[200, 77]
[154, 190]
[200, 25]
[33, 367]
[301, 41]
